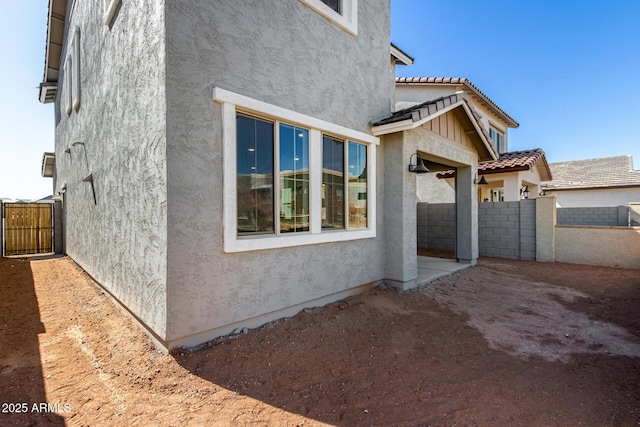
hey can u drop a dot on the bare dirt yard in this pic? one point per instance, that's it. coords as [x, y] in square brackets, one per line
[506, 342]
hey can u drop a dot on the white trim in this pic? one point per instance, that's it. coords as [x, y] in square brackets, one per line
[272, 111]
[66, 88]
[75, 75]
[483, 137]
[110, 7]
[231, 103]
[401, 56]
[347, 19]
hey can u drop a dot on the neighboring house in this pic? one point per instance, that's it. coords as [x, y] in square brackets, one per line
[514, 176]
[217, 164]
[504, 183]
[603, 182]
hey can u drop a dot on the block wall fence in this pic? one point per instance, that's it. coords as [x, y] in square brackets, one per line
[537, 230]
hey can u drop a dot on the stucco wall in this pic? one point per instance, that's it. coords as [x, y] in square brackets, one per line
[595, 198]
[121, 240]
[285, 54]
[606, 246]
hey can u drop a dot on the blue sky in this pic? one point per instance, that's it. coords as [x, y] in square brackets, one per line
[568, 71]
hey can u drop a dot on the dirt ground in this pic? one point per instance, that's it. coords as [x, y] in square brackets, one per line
[506, 342]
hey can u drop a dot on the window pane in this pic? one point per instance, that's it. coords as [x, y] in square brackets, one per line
[332, 183]
[255, 175]
[294, 179]
[357, 185]
[333, 4]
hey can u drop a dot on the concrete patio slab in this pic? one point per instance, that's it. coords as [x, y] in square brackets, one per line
[430, 268]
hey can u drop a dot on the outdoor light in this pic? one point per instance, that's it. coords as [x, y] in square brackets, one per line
[525, 191]
[482, 181]
[419, 166]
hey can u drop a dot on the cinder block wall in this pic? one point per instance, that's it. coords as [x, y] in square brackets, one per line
[437, 226]
[505, 229]
[606, 216]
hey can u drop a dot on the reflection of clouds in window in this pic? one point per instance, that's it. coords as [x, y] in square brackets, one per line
[357, 159]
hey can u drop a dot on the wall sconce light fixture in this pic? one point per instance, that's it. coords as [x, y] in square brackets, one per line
[419, 166]
[524, 191]
[481, 181]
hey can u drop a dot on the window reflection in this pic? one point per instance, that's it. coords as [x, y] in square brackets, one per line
[294, 179]
[332, 183]
[357, 185]
[254, 175]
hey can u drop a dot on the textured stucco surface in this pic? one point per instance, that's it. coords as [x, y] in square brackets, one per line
[605, 246]
[595, 197]
[121, 240]
[400, 217]
[297, 60]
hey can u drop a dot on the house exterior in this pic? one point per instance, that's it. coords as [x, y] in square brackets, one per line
[508, 176]
[601, 182]
[516, 175]
[217, 173]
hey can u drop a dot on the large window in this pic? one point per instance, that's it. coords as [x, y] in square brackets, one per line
[290, 179]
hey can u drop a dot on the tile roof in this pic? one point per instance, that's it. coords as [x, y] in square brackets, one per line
[509, 162]
[473, 89]
[594, 173]
[423, 110]
[421, 113]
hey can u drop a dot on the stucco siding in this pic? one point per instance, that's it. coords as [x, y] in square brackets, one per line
[605, 246]
[120, 239]
[285, 54]
[595, 197]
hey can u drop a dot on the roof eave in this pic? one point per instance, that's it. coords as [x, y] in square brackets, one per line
[53, 48]
[48, 165]
[401, 57]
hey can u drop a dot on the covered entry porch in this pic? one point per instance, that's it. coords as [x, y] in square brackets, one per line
[444, 133]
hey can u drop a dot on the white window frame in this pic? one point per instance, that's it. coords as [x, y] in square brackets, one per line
[233, 103]
[66, 89]
[499, 131]
[75, 65]
[110, 7]
[347, 19]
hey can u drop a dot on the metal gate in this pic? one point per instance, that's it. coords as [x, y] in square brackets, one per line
[28, 228]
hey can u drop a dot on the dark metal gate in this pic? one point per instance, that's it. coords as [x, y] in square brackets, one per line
[28, 228]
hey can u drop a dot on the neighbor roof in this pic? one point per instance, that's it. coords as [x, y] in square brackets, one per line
[466, 85]
[512, 162]
[603, 172]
